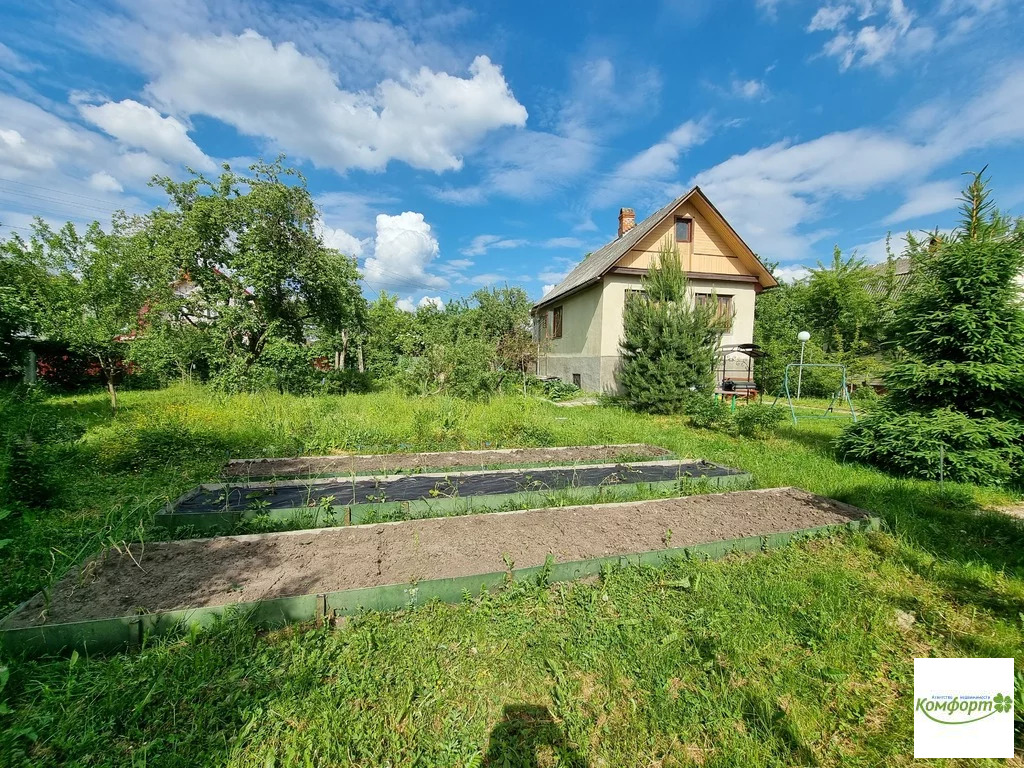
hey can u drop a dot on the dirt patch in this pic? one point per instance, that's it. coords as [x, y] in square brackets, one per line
[404, 462]
[201, 572]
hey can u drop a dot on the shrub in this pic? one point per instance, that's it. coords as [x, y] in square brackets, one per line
[963, 449]
[669, 342]
[758, 420]
[706, 412]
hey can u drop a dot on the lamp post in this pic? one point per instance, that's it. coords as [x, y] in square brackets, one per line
[803, 337]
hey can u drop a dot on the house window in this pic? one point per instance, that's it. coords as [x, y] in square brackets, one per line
[684, 230]
[556, 323]
[724, 305]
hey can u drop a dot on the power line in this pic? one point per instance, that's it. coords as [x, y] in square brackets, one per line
[52, 189]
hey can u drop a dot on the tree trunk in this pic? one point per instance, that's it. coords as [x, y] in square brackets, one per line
[359, 352]
[108, 373]
[344, 348]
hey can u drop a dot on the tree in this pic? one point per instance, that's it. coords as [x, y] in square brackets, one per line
[838, 304]
[961, 386]
[389, 337]
[94, 291]
[670, 343]
[251, 246]
[17, 318]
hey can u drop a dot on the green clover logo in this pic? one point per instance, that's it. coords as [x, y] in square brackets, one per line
[1002, 703]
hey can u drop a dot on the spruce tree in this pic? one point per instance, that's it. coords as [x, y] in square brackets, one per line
[961, 385]
[669, 343]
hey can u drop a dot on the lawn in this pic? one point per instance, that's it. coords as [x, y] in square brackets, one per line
[802, 656]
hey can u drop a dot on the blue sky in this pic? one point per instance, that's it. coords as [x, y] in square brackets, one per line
[455, 146]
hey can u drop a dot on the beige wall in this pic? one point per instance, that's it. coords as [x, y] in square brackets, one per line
[578, 350]
[615, 287]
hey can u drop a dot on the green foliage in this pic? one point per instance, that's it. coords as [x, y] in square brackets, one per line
[257, 278]
[758, 420]
[976, 449]
[91, 291]
[669, 342]
[839, 307]
[961, 383]
[753, 420]
[796, 644]
[558, 390]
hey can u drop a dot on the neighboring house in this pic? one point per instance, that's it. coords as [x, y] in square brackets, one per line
[578, 324]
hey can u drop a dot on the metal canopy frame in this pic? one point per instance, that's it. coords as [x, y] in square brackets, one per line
[843, 393]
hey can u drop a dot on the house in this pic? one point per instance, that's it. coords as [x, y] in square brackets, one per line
[578, 324]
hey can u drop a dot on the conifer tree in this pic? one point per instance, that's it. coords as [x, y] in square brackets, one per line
[961, 386]
[670, 342]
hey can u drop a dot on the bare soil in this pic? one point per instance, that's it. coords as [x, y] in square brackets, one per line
[399, 462]
[202, 572]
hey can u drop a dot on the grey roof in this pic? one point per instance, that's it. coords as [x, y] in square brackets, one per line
[594, 267]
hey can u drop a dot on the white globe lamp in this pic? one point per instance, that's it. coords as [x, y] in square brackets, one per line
[803, 337]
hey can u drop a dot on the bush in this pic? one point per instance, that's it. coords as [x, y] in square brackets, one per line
[706, 412]
[757, 420]
[347, 382]
[976, 450]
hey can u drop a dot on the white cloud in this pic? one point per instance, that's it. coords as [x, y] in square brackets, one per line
[925, 199]
[404, 249]
[13, 61]
[791, 273]
[548, 288]
[481, 244]
[773, 193]
[407, 304]
[339, 239]
[749, 89]
[426, 119]
[865, 33]
[141, 126]
[530, 164]
[829, 18]
[651, 168]
[104, 182]
[17, 152]
[563, 242]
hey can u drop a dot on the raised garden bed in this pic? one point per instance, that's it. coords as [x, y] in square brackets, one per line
[390, 463]
[353, 500]
[119, 597]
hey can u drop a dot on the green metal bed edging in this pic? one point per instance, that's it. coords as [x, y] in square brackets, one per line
[112, 634]
[357, 514]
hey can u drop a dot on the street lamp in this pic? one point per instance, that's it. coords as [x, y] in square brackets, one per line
[803, 337]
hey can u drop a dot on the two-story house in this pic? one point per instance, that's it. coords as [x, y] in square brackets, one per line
[579, 322]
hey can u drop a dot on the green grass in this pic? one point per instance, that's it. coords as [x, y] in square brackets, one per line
[788, 658]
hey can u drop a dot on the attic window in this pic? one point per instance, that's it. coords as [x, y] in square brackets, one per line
[684, 230]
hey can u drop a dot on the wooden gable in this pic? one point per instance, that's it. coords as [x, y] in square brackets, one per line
[709, 252]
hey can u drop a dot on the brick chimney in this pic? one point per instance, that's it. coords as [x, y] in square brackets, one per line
[627, 220]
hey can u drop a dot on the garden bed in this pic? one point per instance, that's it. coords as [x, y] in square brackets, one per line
[352, 500]
[156, 586]
[313, 466]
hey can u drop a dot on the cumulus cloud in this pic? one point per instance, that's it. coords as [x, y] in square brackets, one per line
[407, 304]
[427, 119]
[339, 239]
[404, 249]
[17, 152]
[548, 288]
[104, 182]
[141, 126]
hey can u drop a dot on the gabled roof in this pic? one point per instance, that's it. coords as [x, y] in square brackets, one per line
[600, 262]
